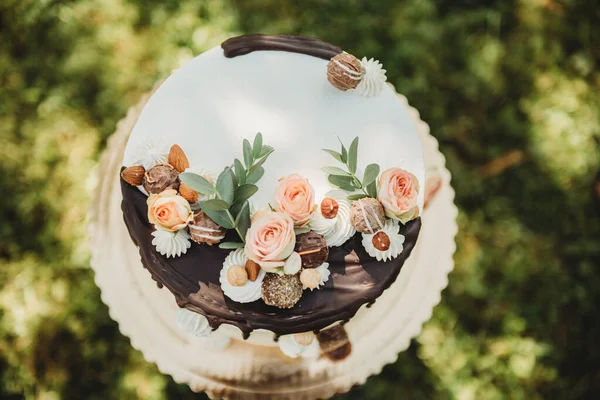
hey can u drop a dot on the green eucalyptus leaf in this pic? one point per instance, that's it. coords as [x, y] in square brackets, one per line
[342, 181]
[257, 146]
[197, 183]
[255, 175]
[357, 196]
[334, 154]
[231, 245]
[248, 157]
[233, 177]
[266, 150]
[353, 155]
[240, 171]
[244, 192]
[371, 173]
[214, 204]
[335, 171]
[344, 153]
[372, 189]
[242, 221]
[225, 186]
[220, 217]
[260, 162]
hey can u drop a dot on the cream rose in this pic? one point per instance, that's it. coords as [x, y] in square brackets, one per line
[295, 196]
[270, 240]
[397, 190]
[169, 211]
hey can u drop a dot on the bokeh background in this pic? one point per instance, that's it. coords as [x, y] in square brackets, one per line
[511, 89]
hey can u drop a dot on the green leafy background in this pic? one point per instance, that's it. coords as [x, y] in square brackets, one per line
[509, 88]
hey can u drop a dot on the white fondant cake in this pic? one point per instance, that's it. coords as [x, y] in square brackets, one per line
[212, 103]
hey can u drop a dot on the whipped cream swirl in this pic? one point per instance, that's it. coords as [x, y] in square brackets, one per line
[171, 244]
[192, 323]
[336, 230]
[250, 291]
[151, 153]
[293, 349]
[391, 228]
[373, 79]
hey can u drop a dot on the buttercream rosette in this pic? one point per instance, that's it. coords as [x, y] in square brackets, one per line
[391, 228]
[249, 291]
[336, 230]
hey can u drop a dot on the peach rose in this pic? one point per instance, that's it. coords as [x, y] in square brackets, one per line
[169, 211]
[270, 240]
[397, 190]
[295, 197]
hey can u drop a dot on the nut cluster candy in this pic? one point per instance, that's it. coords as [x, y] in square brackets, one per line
[344, 71]
[367, 215]
[282, 291]
[313, 249]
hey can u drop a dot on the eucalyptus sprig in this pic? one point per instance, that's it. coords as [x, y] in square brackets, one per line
[235, 185]
[346, 179]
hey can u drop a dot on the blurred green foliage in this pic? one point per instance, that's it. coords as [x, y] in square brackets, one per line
[509, 88]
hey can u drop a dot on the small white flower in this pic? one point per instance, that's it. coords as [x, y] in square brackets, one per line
[391, 228]
[171, 244]
[373, 79]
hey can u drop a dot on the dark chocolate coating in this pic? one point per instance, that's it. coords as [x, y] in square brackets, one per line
[193, 278]
[241, 45]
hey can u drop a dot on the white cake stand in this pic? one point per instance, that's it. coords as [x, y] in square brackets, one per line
[146, 314]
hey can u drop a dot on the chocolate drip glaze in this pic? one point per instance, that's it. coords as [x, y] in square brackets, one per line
[241, 45]
[193, 278]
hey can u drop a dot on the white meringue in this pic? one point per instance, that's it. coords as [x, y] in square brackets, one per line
[293, 264]
[336, 230]
[291, 348]
[151, 154]
[171, 244]
[391, 228]
[192, 323]
[373, 79]
[247, 293]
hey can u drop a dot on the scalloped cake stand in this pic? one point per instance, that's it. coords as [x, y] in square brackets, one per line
[147, 314]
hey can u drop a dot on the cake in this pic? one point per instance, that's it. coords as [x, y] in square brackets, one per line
[274, 185]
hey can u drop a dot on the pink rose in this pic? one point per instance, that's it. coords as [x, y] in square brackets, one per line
[295, 197]
[169, 211]
[270, 240]
[397, 190]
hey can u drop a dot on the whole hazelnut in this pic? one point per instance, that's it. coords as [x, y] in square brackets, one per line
[310, 278]
[329, 208]
[237, 275]
[160, 178]
[381, 241]
[344, 71]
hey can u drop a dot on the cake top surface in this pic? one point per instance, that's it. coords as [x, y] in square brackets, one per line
[242, 247]
[212, 103]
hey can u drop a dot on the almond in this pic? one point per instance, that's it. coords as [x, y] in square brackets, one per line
[329, 208]
[253, 270]
[178, 159]
[134, 175]
[381, 241]
[188, 193]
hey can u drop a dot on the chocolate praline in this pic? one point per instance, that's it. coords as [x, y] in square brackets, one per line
[312, 248]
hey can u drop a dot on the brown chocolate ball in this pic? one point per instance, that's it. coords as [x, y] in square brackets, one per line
[205, 230]
[344, 71]
[160, 178]
[281, 291]
[367, 215]
[312, 248]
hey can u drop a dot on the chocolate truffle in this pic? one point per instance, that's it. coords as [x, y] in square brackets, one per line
[205, 230]
[313, 249]
[282, 291]
[334, 342]
[160, 178]
[367, 215]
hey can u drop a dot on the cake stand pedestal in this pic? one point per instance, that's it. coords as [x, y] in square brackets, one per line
[147, 314]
